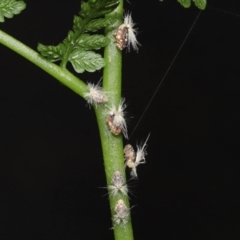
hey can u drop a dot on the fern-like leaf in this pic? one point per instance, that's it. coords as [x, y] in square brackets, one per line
[52, 53]
[89, 42]
[185, 3]
[97, 8]
[77, 23]
[9, 8]
[86, 60]
[78, 45]
[99, 23]
[201, 4]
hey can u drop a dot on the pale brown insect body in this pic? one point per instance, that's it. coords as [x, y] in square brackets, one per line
[118, 185]
[95, 95]
[116, 130]
[129, 156]
[132, 159]
[126, 33]
[122, 213]
[121, 36]
[116, 119]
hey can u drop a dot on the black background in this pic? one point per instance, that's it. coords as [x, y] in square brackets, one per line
[51, 169]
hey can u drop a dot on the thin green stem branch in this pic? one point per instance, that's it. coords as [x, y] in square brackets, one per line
[61, 74]
[112, 145]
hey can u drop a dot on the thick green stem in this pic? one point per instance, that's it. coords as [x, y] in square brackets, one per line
[113, 145]
[63, 75]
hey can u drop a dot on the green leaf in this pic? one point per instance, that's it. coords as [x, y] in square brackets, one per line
[1, 17]
[99, 23]
[52, 53]
[85, 9]
[185, 3]
[96, 8]
[86, 60]
[89, 42]
[70, 38]
[77, 45]
[77, 23]
[106, 7]
[201, 4]
[9, 8]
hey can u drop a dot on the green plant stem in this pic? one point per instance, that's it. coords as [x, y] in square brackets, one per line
[112, 145]
[61, 74]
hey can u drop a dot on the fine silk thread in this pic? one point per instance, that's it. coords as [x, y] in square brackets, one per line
[161, 81]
